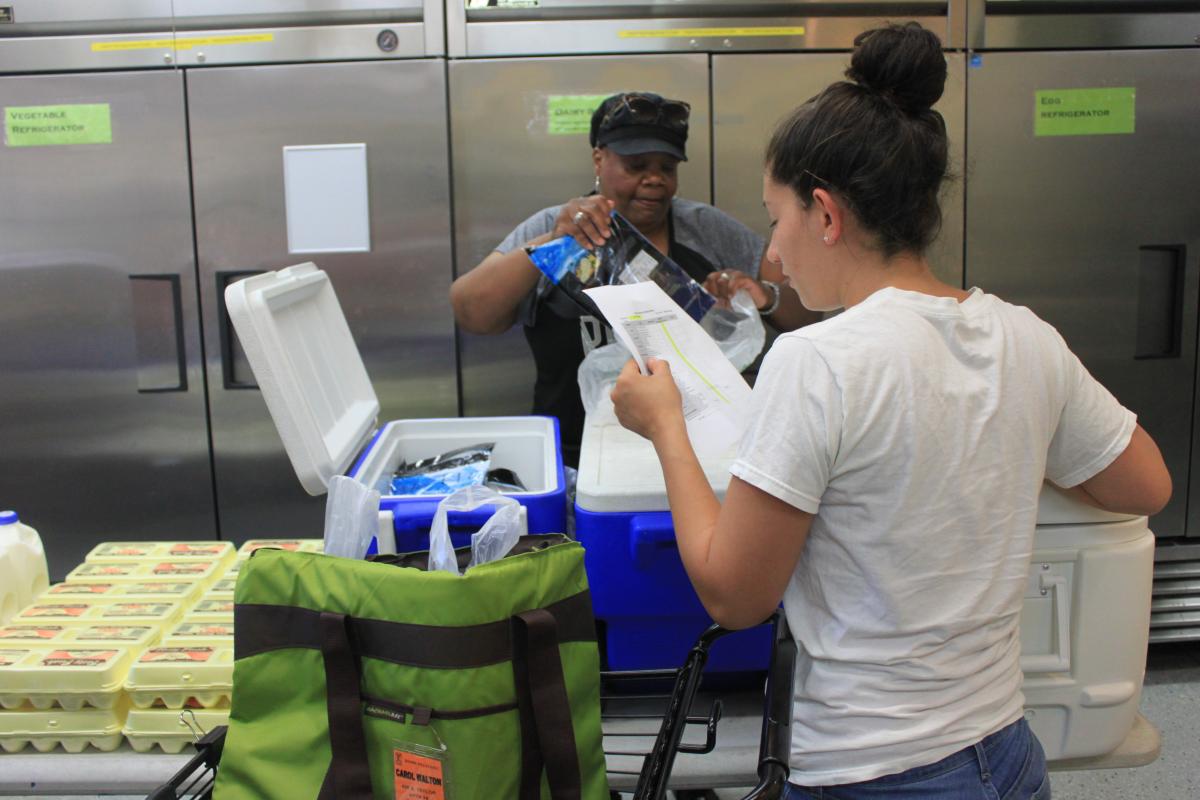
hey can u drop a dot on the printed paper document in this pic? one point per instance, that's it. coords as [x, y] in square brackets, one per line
[651, 325]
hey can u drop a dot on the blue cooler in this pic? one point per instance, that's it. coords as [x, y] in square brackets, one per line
[316, 387]
[639, 588]
[529, 446]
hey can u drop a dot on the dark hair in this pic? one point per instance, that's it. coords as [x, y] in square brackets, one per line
[876, 142]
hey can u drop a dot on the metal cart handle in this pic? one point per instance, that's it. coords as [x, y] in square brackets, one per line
[775, 743]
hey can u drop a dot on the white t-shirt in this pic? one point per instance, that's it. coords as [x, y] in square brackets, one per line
[918, 430]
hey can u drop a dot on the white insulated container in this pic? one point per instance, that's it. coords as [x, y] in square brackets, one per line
[321, 399]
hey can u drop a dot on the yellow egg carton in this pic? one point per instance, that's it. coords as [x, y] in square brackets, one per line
[301, 545]
[137, 637]
[161, 551]
[73, 730]
[179, 675]
[171, 729]
[175, 591]
[223, 588]
[70, 677]
[202, 571]
[90, 612]
[190, 632]
[210, 609]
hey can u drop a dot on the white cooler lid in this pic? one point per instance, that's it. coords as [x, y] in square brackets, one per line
[619, 470]
[309, 370]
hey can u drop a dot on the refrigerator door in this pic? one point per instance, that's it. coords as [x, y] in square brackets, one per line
[1097, 232]
[102, 422]
[752, 93]
[513, 155]
[365, 196]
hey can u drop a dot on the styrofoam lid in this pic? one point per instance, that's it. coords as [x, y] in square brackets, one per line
[620, 472]
[308, 368]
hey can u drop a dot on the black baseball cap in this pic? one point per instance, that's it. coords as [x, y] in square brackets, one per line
[641, 122]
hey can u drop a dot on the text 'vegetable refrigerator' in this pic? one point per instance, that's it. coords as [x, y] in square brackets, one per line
[304, 358]
[1084, 624]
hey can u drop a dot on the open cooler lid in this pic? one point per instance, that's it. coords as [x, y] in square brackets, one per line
[308, 367]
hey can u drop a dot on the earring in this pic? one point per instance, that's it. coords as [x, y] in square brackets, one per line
[826, 239]
[596, 188]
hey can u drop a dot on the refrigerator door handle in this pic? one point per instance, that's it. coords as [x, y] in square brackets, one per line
[235, 369]
[158, 333]
[1160, 292]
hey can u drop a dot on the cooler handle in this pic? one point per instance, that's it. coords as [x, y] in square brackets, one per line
[647, 536]
[459, 520]
[1060, 659]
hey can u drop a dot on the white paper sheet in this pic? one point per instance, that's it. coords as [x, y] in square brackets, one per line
[327, 198]
[649, 323]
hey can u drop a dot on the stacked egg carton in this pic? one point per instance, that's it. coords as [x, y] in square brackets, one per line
[65, 660]
[183, 685]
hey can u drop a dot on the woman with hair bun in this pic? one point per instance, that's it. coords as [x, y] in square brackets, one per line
[886, 488]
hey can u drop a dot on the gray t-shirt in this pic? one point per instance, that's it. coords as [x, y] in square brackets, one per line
[719, 238]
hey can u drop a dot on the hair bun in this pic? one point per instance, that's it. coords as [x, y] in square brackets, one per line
[901, 62]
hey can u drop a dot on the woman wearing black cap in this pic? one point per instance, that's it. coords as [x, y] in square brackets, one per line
[886, 488]
[638, 140]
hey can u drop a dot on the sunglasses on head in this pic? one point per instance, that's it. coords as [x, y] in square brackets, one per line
[642, 110]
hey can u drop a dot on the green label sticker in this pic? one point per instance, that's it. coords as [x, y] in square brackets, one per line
[570, 114]
[44, 126]
[1083, 112]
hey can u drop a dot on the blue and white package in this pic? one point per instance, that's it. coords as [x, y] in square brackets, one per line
[565, 256]
[444, 473]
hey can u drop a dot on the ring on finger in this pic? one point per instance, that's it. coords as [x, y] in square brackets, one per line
[724, 276]
[578, 217]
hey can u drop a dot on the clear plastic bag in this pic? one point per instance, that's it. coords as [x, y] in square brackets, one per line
[492, 541]
[741, 345]
[351, 517]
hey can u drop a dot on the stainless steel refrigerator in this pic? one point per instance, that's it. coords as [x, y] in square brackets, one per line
[1098, 231]
[380, 226]
[103, 433]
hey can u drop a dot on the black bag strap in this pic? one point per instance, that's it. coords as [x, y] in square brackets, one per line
[547, 737]
[261, 628]
[349, 776]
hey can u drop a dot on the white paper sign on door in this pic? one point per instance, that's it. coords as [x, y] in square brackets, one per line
[326, 197]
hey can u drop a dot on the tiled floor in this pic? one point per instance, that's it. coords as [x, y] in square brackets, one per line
[1170, 700]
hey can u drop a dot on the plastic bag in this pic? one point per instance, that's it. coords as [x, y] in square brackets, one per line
[444, 473]
[351, 517]
[492, 541]
[741, 345]
[571, 268]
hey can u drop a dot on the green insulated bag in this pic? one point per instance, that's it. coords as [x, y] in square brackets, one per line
[357, 679]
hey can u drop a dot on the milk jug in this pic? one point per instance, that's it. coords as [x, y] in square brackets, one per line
[23, 573]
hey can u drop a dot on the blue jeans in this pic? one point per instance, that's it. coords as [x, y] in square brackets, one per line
[1008, 765]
